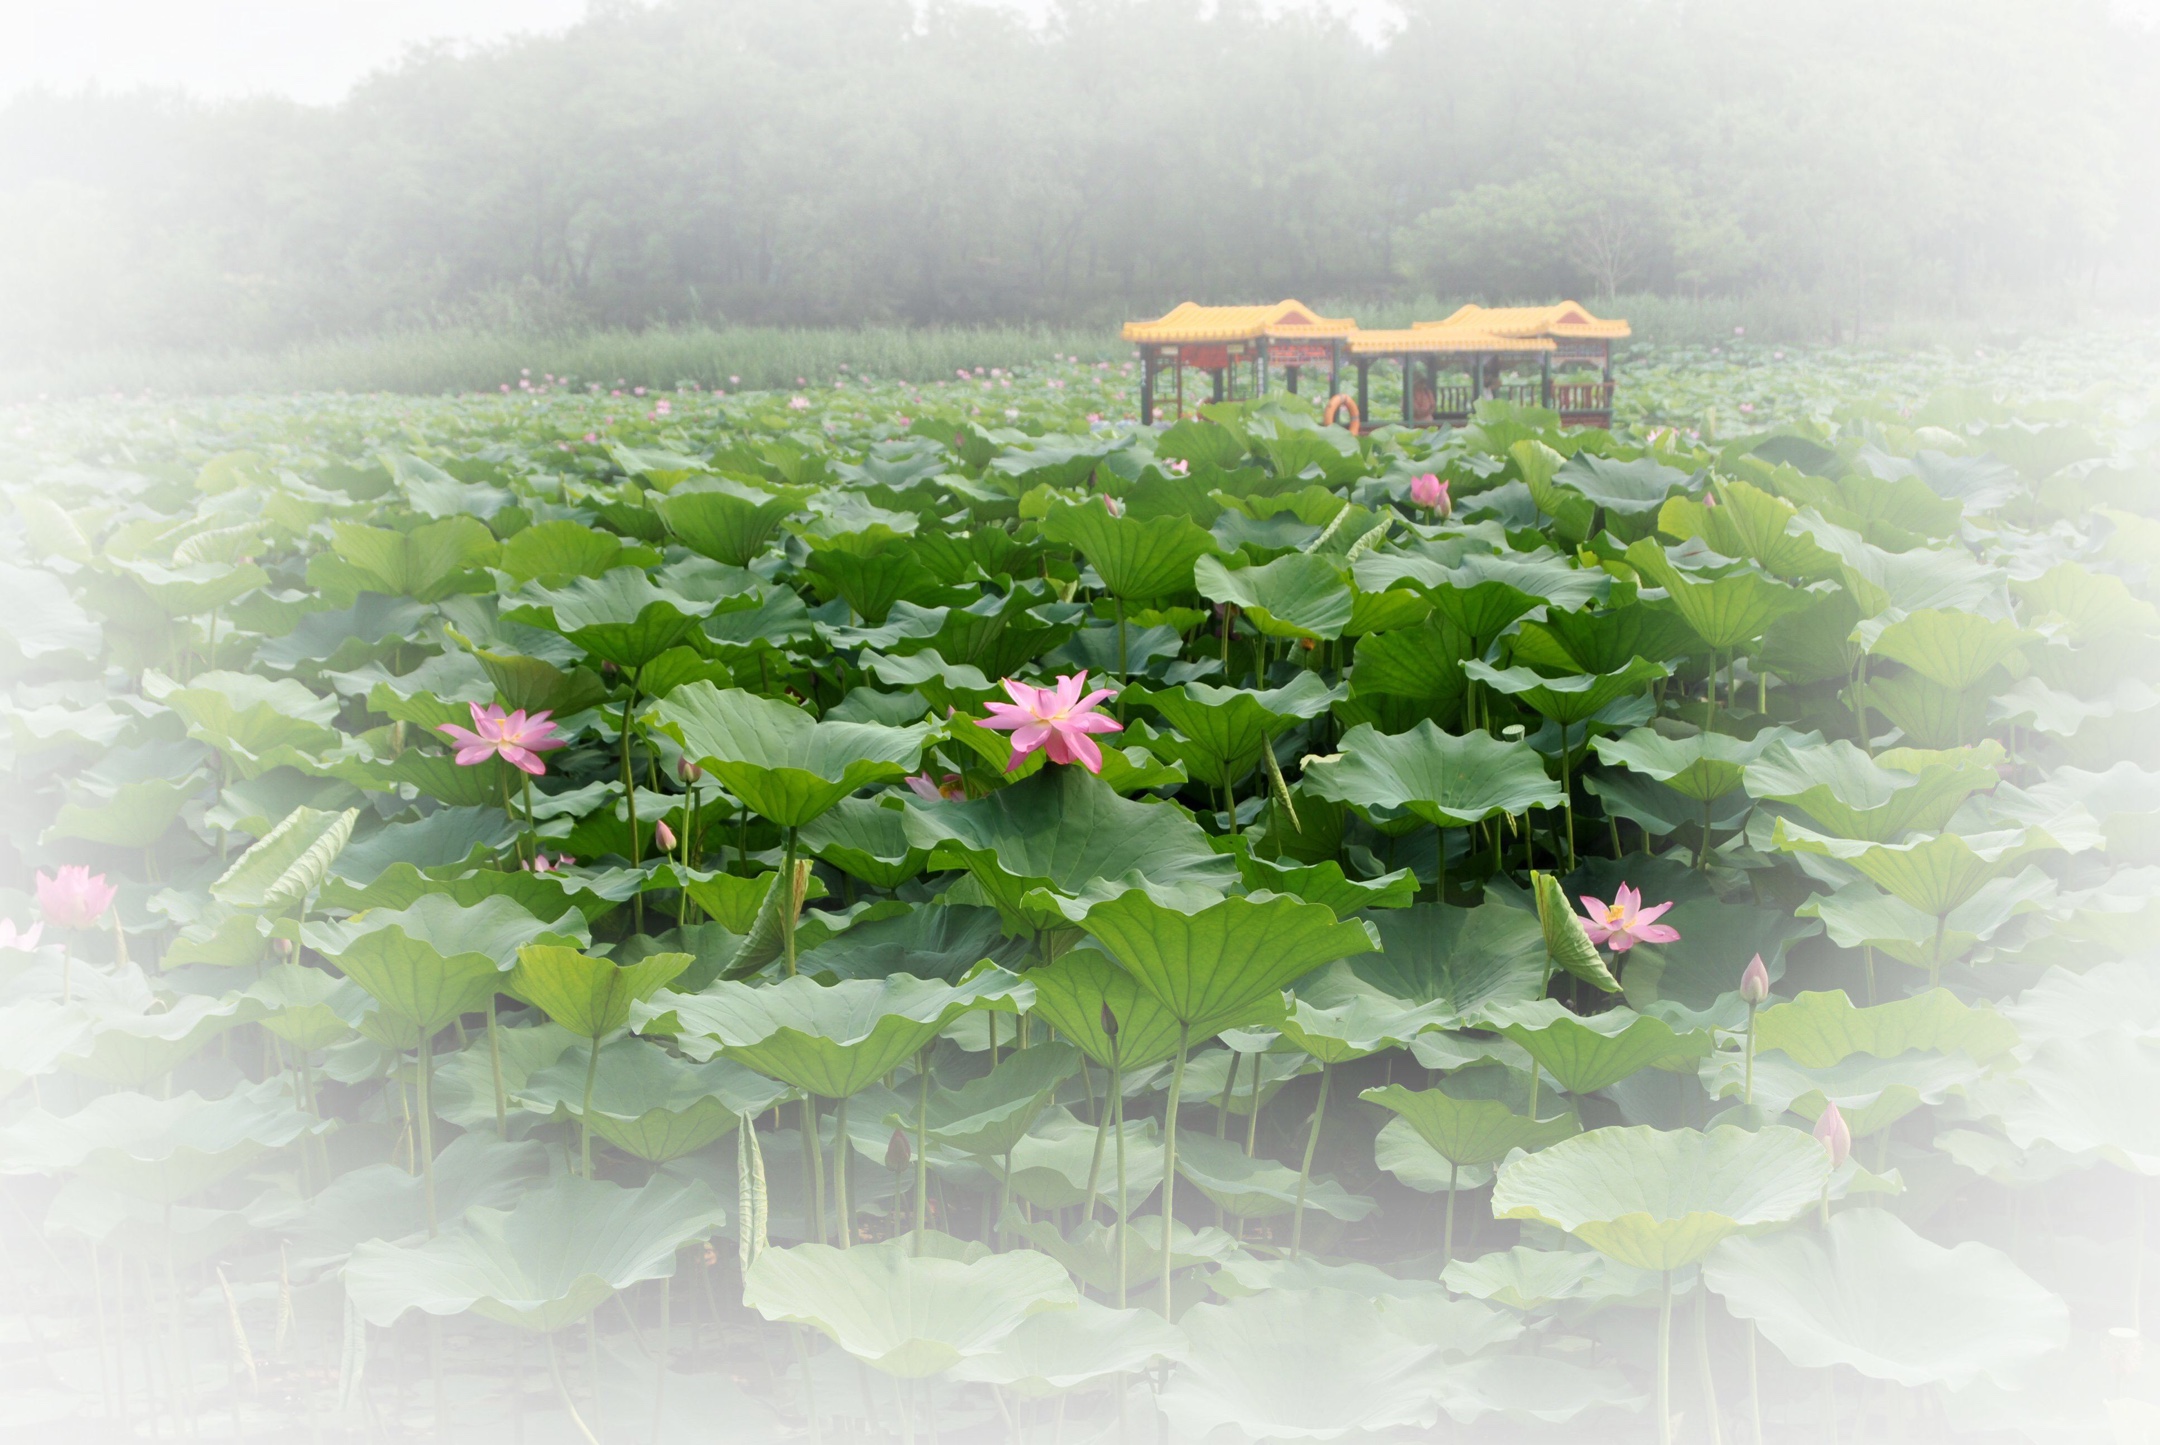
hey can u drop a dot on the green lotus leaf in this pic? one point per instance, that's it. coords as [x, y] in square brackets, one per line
[1055, 1350]
[428, 563]
[1568, 700]
[1137, 560]
[1090, 1256]
[1052, 1164]
[427, 964]
[1298, 1365]
[1748, 522]
[1259, 1187]
[556, 553]
[989, 1115]
[929, 941]
[620, 616]
[1954, 650]
[864, 838]
[193, 589]
[2120, 997]
[164, 1149]
[309, 1008]
[1880, 798]
[1871, 1093]
[726, 520]
[1423, 663]
[1532, 1387]
[1699, 969]
[1540, 577]
[908, 1315]
[831, 1040]
[1470, 1131]
[1818, 1030]
[1338, 1032]
[1661, 1199]
[785, 766]
[1600, 642]
[650, 1104]
[2083, 1096]
[1299, 595]
[34, 1033]
[1567, 943]
[385, 1202]
[1524, 1278]
[1870, 1293]
[1326, 884]
[1462, 958]
[286, 864]
[1225, 964]
[1586, 1054]
[591, 997]
[1402, 1152]
[1727, 606]
[257, 723]
[544, 1264]
[1071, 994]
[1701, 767]
[131, 815]
[1935, 874]
[1447, 780]
[1064, 832]
[129, 1047]
[1224, 728]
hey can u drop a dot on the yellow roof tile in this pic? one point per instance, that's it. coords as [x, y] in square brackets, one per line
[1190, 322]
[1564, 318]
[1426, 339]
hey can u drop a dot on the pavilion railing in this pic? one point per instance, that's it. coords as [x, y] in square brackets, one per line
[1451, 401]
[1572, 396]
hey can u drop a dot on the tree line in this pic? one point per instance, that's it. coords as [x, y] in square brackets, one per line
[858, 161]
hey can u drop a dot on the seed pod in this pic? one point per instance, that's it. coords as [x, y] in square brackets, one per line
[897, 1153]
[1109, 1024]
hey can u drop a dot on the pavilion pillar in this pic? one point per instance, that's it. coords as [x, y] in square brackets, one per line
[1334, 371]
[1409, 385]
[1544, 379]
[1263, 367]
[1148, 355]
[1218, 375]
[1290, 379]
[1364, 399]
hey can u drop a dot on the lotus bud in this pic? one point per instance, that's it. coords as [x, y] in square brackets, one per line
[1834, 1134]
[1112, 505]
[1429, 492]
[282, 947]
[664, 834]
[688, 771]
[1755, 982]
[897, 1153]
[1109, 1024]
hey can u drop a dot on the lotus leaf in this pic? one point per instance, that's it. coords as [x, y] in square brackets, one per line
[650, 1104]
[1870, 1293]
[546, 1263]
[1661, 1199]
[1137, 560]
[162, 1149]
[1222, 729]
[1448, 780]
[1055, 1350]
[1258, 1187]
[785, 766]
[1572, 699]
[906, 1314]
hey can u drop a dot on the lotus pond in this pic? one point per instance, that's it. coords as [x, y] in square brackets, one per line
[927, 912]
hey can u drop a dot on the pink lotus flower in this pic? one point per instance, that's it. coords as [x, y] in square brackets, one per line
[664, 834]
[1754, 982]
[1111, 504]
[939, 790]
[1057, 718]
[1626, 922]
[517, 739]
[1834, 1134]
[75, 897]
[1429, 492]
[24, 939]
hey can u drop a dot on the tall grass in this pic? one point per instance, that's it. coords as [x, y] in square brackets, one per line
[475, 358]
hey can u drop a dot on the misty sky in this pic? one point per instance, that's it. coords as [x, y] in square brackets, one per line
[310, 50]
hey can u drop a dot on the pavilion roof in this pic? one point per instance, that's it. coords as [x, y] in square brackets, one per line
[1562, 319]
[1426, 339]
[1189, 321]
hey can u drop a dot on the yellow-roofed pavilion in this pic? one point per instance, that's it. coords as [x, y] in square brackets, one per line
[1233, 343]
[1578, 341]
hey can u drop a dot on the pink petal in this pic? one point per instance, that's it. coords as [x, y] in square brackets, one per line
[1649, 915]
[1595, 905]
[1005, 715]
[1598, 932]
[1622, 942]
[1095, 699]
[525, 759]
[467, 757]
[1658, 933]
[1028, 699]
[463, 737]
[1019, 756]
[1628, 898]
[1093, 722]
[1084, 750]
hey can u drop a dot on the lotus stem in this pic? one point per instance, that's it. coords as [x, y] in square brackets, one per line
[532, 832]
[629, 783]
[1312, 1143]
[1664, 1361]
[502, 1102]
[1567, 802]
[1754, 1390]
[1222, 1105]
[1169, 1182]
[592, 1073]
[1252, 1109]
[1447, 1237]
[1747, 1097]
[814, 1157]
[427, 1128]
[562, 1392]
[1702, 1363]
[843, 1208]
[1117, 1126]
[659, 1395]
[922, 1152]
[790, 903]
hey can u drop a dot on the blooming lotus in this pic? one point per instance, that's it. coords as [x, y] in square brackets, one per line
[24, 939]
[1429, 492]
[1624, 922]
[947, 789]
[74, 897]
[1057, 719]
[517, 739]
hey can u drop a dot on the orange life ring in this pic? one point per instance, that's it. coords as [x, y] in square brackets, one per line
[1335, 404]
